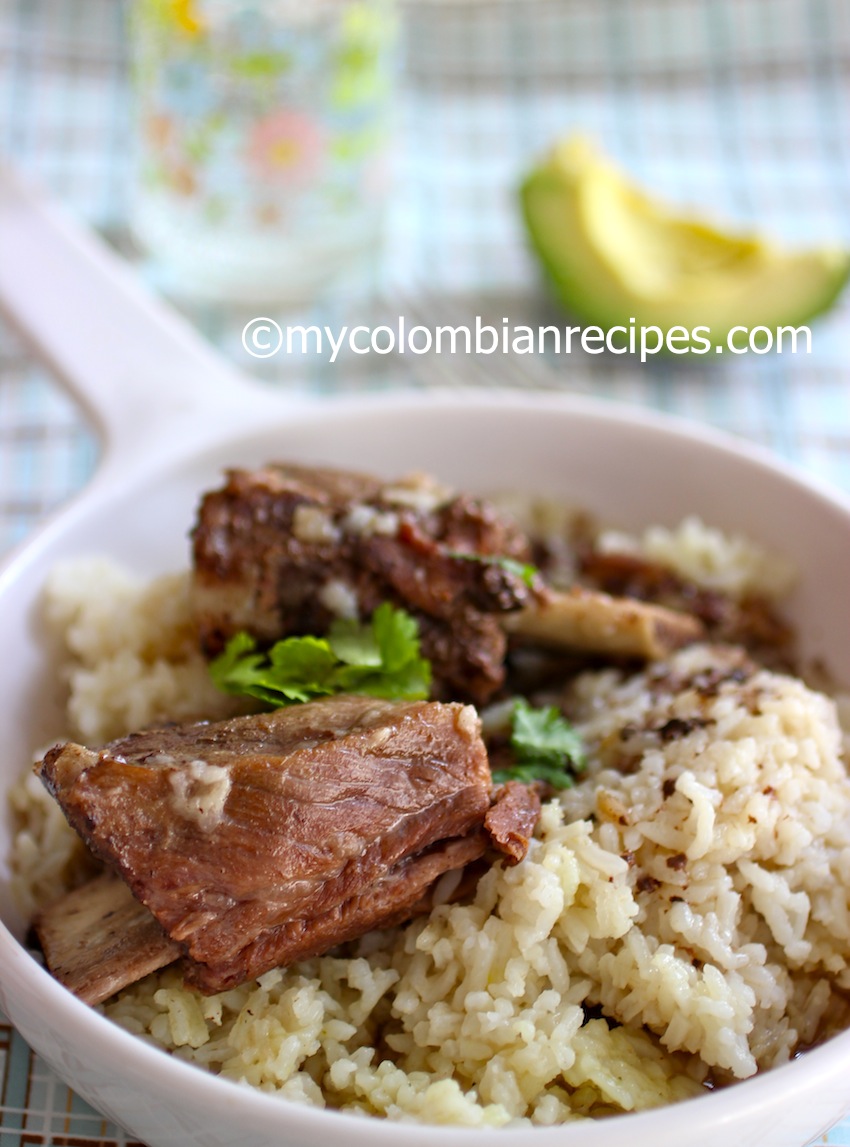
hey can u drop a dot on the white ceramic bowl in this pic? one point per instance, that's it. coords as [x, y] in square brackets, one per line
[628, 468]
[167, 439]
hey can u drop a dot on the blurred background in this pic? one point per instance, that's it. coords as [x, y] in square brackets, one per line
[739, 109]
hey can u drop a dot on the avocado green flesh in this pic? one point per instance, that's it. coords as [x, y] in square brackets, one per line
[615, 258]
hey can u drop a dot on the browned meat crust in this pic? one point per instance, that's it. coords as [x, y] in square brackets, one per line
[284, 549]
[260, 840]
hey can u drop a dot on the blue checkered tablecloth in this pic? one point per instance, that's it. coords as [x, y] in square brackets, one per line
[739, 105]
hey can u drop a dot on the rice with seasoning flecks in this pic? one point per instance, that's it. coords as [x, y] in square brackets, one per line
[682, 918]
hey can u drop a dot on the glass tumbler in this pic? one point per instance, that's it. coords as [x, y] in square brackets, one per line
[263, 134]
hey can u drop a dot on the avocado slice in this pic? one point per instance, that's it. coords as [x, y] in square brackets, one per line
[615, 255]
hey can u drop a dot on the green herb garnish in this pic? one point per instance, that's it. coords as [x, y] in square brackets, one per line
[523, 570]
[380, 658]
[546, 747]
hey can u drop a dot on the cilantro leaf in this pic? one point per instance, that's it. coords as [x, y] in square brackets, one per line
[397, 636]
[393, 667]
[546, 747]
[410, 682]
[555, 777]
[236, 665]
[526, 572]
[380, 659]
[353, 643]
[300, 668]
[544, 735]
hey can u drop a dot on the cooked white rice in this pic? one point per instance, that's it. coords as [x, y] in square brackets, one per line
[694, 887]
[132, 651]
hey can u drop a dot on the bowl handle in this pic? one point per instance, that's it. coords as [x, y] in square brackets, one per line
[139, 368]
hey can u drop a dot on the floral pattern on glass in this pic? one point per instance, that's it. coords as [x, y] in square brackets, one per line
[263, 115]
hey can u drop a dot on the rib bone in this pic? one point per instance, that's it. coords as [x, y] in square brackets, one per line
[99, 939]
[596, 622]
